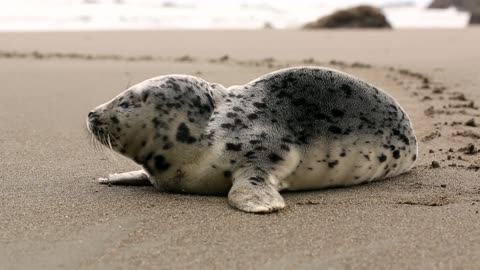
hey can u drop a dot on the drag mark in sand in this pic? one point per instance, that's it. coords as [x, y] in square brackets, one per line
[450, 107]
[438, 201]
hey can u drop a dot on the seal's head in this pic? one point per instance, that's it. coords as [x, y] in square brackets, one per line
[154, 116]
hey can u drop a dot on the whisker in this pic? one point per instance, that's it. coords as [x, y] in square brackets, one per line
[114, 139]
[92, 142]
[101, 141]
[112, 153]
[105, 145]
[109, 142]
[97, 144]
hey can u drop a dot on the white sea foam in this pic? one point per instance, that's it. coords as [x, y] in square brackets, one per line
[19, 15]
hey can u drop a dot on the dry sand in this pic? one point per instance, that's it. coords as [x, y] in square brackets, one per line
[53, 215]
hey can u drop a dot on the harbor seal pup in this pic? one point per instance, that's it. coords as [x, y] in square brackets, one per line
[295, 129]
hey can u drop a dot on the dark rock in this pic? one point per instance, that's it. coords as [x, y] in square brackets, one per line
[363, 16]
[467, 5]
[268, 25]
[440, 4]
[471, 123]
[470, 149]
[473, 6]
[475, 16]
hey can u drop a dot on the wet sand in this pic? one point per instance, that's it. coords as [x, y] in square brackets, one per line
[53, 214]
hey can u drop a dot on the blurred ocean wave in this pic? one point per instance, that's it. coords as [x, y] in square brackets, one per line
[27, 15]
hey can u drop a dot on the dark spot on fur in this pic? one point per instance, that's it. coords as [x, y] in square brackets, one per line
[333, 164]
[183, 134]
[227, 126]
[338, 113]
[239, 123]
[404, 139]
[145, 95]
[167, 146]
[237, 109]
[252, 116]
[233, 147]
[396, 154]
[255, 141]
[114, 119]
[347, 90]
[260, 105]
[210, 101]
[285, 147]
[227, 173]
[335, 130]
[299, 102]
[367, 157]
[159, 123]
[366, 120]
[160, 163]
[382, 158]
[282, 94]
[274, 157]
[414, 157]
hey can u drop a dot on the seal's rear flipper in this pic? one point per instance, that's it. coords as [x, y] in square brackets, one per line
[133, 178]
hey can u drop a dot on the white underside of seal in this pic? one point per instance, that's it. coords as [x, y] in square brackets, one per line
[340, 163]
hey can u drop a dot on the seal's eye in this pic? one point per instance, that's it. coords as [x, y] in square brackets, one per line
[124, 105]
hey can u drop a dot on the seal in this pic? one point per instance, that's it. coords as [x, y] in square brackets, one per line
[300, 128]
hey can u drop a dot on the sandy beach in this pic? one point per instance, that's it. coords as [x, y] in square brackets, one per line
[53, 214]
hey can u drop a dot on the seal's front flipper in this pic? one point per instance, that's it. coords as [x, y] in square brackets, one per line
[255, 192]
[134, 178]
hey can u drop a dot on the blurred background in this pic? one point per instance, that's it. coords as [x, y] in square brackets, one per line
[27, 15]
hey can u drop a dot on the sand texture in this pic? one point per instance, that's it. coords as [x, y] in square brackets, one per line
[53, 214]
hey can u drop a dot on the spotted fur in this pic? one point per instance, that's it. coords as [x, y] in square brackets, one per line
[294, 129]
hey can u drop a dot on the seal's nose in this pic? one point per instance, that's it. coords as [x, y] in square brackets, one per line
[92, 114]
[94, 118]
